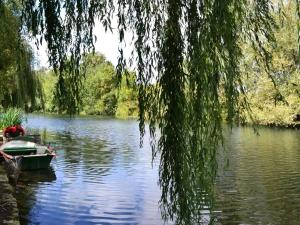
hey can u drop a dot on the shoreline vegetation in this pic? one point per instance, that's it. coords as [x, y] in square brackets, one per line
[271, 90]
[273, 96]
[100, 93]
[269, 105]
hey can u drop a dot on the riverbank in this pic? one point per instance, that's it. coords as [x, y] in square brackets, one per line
[8, 205]
[292, 125]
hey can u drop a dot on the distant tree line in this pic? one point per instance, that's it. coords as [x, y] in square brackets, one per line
[100, 92]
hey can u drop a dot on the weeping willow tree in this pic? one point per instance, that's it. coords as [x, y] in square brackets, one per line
[186, 52]
[19, 86]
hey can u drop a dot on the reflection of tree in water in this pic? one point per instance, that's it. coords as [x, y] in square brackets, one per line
[26, 187]
[84, 156]
[97, 158]
[36, 176]
[260, 184]
[81, 153]
[77, 156]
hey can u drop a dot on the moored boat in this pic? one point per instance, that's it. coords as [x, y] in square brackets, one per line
[24, 155]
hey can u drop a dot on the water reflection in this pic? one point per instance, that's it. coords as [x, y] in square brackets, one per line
[261, 183]
[103, 177]
[36, 176]
[27, 184]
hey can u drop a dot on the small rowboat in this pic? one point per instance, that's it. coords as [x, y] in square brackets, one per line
[25, 155]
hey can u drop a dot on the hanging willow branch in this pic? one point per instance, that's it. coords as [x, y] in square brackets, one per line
[19, 84]
[186, 51]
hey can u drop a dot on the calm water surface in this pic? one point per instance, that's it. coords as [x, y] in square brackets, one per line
[101, 176]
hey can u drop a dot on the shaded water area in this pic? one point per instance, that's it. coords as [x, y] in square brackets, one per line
[261, 182]
[101, 176]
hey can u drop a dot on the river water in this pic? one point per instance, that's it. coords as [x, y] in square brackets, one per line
[101, 176]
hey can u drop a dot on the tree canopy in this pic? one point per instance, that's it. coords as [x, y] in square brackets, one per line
[100, 94]
[19, 85]
[280, 105]
[190, 50]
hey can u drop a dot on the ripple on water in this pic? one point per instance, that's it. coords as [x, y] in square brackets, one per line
[265, 172]
[103, 177]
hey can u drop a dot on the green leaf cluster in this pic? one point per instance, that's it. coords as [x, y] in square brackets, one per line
[100, 92]
[19, 85]
[273, 90]
[127, 103]
[99, 86]
[12, 116]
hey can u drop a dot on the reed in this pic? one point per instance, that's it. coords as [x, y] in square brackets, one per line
[12, 116]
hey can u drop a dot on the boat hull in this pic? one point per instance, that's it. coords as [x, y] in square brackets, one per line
[33, 162]
[24, 155]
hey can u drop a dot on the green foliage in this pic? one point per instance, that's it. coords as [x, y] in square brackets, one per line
[183, 105]
[127, 104]
[100, 93]
[12, 116]
[99, 86]
[19, 85]
[48, 80]
[273, 92]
